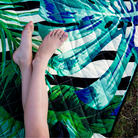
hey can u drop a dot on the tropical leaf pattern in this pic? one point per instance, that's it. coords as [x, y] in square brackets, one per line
[9, 126]
[88, 76]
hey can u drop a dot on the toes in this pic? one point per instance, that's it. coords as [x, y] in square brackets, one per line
[26, 37]
[54, 32]
[61, 33]
[50, 33]
[28, 30]
[58, 32]
[29, 27]
[64, 36]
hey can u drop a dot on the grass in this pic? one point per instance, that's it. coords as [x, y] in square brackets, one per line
[127, 122]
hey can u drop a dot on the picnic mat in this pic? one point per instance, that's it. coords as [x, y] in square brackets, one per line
[87, 77]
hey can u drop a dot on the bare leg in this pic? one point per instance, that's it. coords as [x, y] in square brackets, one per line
[23, 57]
[36, 107]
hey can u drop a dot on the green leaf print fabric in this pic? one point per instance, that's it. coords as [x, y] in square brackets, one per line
[87, 77]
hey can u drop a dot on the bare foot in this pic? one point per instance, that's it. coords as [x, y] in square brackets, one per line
[50, 43]
[23, 55]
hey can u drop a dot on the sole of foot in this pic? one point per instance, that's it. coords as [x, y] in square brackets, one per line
[23, 55]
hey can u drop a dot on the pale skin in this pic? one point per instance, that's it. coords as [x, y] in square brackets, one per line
[34, 90]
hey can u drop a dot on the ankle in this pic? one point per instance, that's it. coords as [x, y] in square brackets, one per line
[39, 63]
[24, 65]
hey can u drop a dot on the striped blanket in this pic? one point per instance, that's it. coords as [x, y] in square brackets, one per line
[87, 77]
